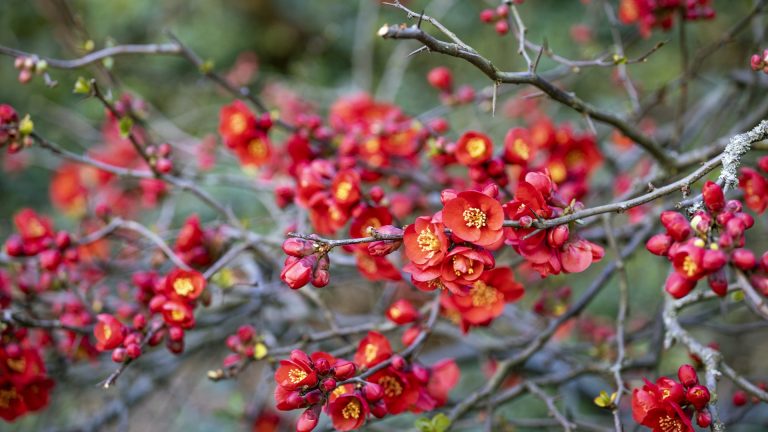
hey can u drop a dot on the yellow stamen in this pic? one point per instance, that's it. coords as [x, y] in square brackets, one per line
[474, 217]
[295, 376]
[183, 286]
[352, 410]
[484, 295]
[476, 147]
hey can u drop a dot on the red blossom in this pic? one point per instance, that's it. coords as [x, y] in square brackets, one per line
[474, 217]
[473, 148]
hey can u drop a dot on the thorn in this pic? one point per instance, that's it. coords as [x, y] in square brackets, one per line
[421, 17]
[424, 48]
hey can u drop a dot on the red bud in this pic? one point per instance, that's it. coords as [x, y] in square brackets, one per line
[687, 375]
[678, 286]
[714, 198]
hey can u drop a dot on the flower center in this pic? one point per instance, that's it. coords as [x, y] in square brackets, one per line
[521, 148]
[183, 286]
[107, 332]
[370, 352]
[17, 365]
[6, 396]
[296, 375]
[352, 410]
[474, 217]
[177, 315]
[35, 228]
[462, 265]
[689, 267]
[484, 295]
[669, 424]
[428, 241]
[343, 190]
[237, 124]
[476, 147]
[257, 149]
[391, 387]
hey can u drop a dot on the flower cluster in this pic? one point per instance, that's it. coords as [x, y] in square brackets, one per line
[755, 186]
[245, 134]
[498, 17]
[321, 381]
[552, 250]
[759, 62]
[441, 78]
[198, 247]
[703, 246]
[36, 238]
[29, 67]
[13, 132]
[24, 385]
[648, 14]
[668, 405]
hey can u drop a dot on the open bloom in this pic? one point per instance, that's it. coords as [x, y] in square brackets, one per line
[474, 217]
[185, 284]
[473, 148]
[425, 242]
[486, 298]
[108, 331]
[348, 411]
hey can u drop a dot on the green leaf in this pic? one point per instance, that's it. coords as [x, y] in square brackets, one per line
[82, 86]
[126, 123]
[424, 425]
[440, 422]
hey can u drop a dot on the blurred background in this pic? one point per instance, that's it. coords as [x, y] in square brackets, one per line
[317, 51]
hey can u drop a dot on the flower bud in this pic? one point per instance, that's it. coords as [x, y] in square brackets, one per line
[739, 398]
[313, 397]
[676, 224]
[321, 278]
[687, 375]
[297, 272]
[760, 283]
[14, 246]
[718, 282]
[246, 333]
[398, 362]
[714, 198]
[176, 333]
[659, 244]
[50, 259]
[441, 79]
[328, 384]
[133, 351]
[678, 286]
[322, 366]
[298, 247]
[502, 27]
[119, 355]
[733, 206]
[373, 392]
[343, 369]
[308, 419]
[703, 419]
[379, 409]
[420, 373]
[743, 259]
[488, 15]
[698, 396]
[714, 260]
[557, 236]
[63, 240]
[748, 220]
[386, 247]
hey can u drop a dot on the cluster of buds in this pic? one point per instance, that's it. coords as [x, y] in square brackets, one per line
[310, 382]
[24, 383]
[172, 299]
[14, 132]
[648, 14]
[29, 67]
[704, 245]
[441, 78]
[160, 157]
[245, 345]
[669, 404]
[755, 186]
[306, 262]
[759, 62]
[499, 17]
[740, 397]
[36, 238]
[198, 247]
[475, 151]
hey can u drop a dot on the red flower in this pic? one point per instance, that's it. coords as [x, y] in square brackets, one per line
[463, 266]
[348, 411]
[425, 242]
[178, 313]
[254, 148]
[108, 331]
[518, 146]
[235, 120]
[688, 261]
[399, 393]
[578, 255]
[473, 148]
[443, 377]
[474, 217]
[294, 374]
[486, 298]
[346, 188]
[755, 190]
[441, 79]
[651, 408]
[184, 284]
[376, 268]
[402, 312]
[372, 350]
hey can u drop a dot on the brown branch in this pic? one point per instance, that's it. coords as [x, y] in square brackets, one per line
[14, 318]
[115, 51]
[484, 65]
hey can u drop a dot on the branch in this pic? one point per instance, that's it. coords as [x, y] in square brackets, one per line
[456, 50]
[115, 51]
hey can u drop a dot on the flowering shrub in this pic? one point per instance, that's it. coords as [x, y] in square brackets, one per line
[396, 255]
